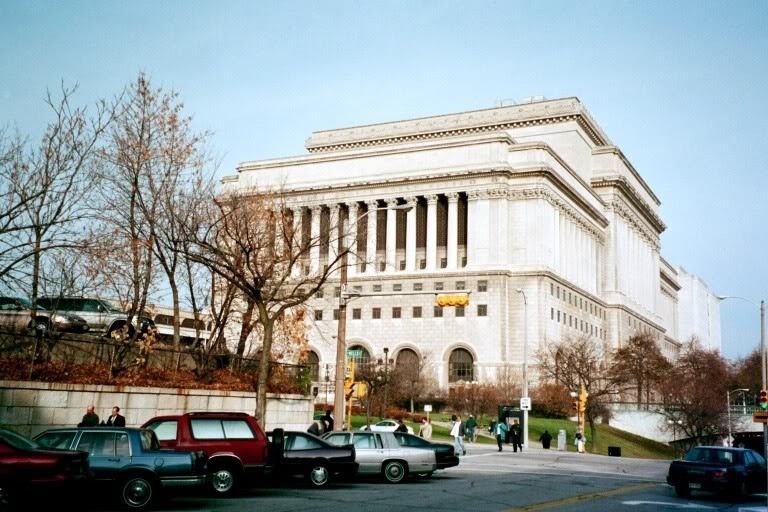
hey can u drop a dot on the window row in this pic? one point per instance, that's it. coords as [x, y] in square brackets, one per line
[482, 286]
[575, 323]
[397, 312]
[574, 300]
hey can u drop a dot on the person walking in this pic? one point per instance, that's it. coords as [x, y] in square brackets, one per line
[516, 436]
[401, 427]
[545, 439]
[425, 430]
[471, 429]
[90, 419]
[116, 419]
[328, 421]
[456, 433]
[580, 441]
[499, 429]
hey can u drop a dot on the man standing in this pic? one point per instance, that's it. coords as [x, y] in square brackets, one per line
[328, 420]
[500, 431]
[425, 430]
[91, 419]
[116, 420]
[546, 439]
[456, 433]
[516, 437]
[471, 429]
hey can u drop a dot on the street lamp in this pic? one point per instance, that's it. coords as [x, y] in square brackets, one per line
[675, 424]
[525, 365]
[386, 376]
[728, 400]
[341, 336]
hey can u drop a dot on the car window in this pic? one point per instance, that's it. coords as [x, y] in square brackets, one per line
[90, 306]
[57, 440]
[7, 304]
[365, 441]
[724, 457]
[237, 429]
[122, 445]
[165, 430]
[749, 459]
[409, 440]
[301, 442]
[97, 444]
[696, 455]
[207, 429]
[17, 441]
[759, 458]
[338, 439]
[149, 439]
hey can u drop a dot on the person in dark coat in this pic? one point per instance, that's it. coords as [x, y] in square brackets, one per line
[328, 420]
[116, 420]
[401, 427]
[91, 419]
[517, 436]
[546, 439]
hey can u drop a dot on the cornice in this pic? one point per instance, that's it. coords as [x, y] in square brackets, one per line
[463, 123]
[631, 193]
[638, 225]
[608, 149]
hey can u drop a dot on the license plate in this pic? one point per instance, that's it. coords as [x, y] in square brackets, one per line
[692, 485]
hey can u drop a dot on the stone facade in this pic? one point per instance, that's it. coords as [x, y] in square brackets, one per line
[529, 197]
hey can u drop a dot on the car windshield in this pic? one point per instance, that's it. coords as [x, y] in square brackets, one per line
[711, 456]
[18, 441]
[111, 308]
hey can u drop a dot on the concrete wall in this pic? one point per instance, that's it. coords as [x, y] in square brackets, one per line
[31, 407]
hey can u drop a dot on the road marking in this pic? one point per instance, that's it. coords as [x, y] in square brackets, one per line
[565, 472]
[581, 498]
[667, 504]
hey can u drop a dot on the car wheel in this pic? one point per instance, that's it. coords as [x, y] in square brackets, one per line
[137, 493]
[682, 490]
[224, 481]
[426, 474]
[319, 475]
[394, 471]
[41, 326]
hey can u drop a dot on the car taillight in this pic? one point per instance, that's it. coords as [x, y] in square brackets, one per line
[719, 473]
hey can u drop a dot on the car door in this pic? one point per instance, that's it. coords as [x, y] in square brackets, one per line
[108, 452]
[755, 471]
[13, 316]
[369, 452]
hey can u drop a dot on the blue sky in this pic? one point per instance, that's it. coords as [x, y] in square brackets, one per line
[679, 86]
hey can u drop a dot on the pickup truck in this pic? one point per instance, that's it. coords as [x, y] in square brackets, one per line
[736, 472]
[129, 462]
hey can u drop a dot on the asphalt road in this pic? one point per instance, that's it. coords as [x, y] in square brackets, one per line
[488, 481]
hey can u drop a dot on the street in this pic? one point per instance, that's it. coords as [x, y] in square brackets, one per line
[488, 480]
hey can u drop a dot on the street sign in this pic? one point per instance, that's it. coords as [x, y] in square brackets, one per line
[355, 353]
[760, 417]
[427, 408]
[525, 403]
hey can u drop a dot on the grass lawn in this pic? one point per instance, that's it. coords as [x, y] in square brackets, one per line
[631, 445]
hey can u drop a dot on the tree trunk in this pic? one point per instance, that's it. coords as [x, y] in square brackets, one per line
[176, 314]
[266, 348]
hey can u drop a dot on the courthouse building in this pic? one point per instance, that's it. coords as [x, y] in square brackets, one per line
[528, 202]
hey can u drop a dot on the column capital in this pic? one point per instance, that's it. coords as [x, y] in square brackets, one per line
[354, 205]
[411, 201]
[453, 197]
[431, 198]
[315, 208]
[334, 207]
[473, 195]
[372, 204]
[391, 203]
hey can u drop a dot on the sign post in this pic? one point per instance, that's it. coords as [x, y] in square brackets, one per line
[427, 409]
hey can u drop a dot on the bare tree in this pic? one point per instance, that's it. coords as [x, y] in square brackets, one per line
[376, 376]
[639, 363]
[576, 362]
[413, 377]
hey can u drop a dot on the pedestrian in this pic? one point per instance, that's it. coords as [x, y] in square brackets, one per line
[401, 427]
[545, 439]
[116, 419]
[457, 434]
[471, 429]
[579, 440]
[328, 421]
[425, 430]
[517, 436]
[499, 429]
[90, 419]
[316, 428]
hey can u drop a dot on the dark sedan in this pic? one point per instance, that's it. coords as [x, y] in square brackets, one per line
[27, 467]
[444, 454]
[309, 456]
[736, 472]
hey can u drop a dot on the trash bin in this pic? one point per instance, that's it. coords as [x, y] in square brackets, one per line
[561, 441]
[614, 451]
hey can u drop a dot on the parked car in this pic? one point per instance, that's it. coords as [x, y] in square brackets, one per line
[380, 453]
[444, 453]
[129, 462]
[16, 314]
[385, 426]
[307, 455]
[27, 467]
[100, 314]
[234, 443]
[736, 472]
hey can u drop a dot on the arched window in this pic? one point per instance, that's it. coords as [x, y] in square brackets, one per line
[359, 354]
[407, 364]
[314, 365]
[460, 366]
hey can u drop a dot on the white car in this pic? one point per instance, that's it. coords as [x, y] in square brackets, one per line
[385, 426]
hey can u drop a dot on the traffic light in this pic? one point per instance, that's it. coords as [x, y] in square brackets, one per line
[583, 395]
[452, 300]
[763, 399]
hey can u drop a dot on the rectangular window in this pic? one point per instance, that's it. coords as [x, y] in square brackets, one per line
[569, 298]
[358, 289]
[337, 292]
[482, 286]
[558, 292]
[460, 312]
[552, 289]
[558, 316]
[319, 293]
[570, 321]
[551, 313]
[416, 311]
[437, 312]
[396, 312]
[377, 288]
[318, 314]
[376, 313]
[460, 285]
[463, 261]
[482, 310]
[402, 264]
[336, 314]
[438, 286]
[397, 287]
[357, 314]
[422, 264]
[443, 262]
[417, 287]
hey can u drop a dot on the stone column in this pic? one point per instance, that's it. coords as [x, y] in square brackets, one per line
[410, 235]
[314, 249]
[296, 246]
[350, 238]
[370, 254]
[391, 254]
[336, 231]
[431, 233]
[453, 229]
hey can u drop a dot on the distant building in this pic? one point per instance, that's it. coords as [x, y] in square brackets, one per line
[532, 197]
[699, 311]
[163, 317]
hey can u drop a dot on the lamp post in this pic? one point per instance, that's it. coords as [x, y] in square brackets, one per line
[327, 382]
[339, 400]
[525, 365]
[728, 400]
[675, 424]
[386, 377]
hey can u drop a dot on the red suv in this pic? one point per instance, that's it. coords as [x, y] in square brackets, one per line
[233, 441]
